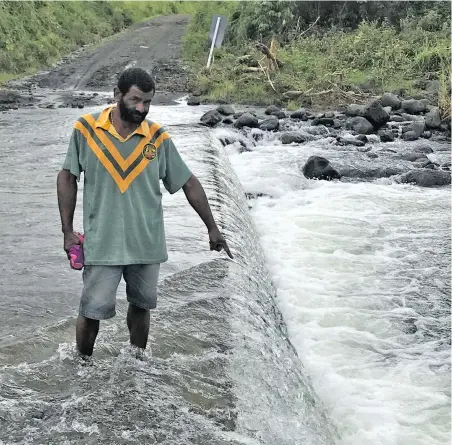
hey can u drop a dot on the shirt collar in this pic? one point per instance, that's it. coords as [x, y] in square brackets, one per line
[103, 121]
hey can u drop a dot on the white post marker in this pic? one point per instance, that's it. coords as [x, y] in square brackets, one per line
[209, 60]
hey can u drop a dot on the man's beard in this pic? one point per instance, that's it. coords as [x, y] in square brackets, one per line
[131, 115]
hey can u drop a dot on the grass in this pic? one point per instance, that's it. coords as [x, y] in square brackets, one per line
[372, 58]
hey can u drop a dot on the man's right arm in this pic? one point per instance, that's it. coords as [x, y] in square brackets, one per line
[67, 199]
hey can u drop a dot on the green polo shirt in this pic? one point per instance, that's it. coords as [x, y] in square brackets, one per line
[122, 202]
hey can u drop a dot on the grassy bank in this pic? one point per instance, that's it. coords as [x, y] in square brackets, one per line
[35, 34]
[329, 67]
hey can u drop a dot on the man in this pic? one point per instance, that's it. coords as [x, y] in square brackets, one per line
[123, 157]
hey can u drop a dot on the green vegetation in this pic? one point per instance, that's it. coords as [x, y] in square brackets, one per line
[328, 49]
[35, 34]
[353, 47]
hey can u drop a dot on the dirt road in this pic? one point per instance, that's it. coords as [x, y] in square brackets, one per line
[155, 45]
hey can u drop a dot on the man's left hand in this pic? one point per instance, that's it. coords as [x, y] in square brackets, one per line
[217, 242]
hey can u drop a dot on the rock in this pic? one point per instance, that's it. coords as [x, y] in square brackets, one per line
[272, 109]
[280, 114]
[409, 117]
[446, 166]
[369, 173]
[354, 110]
[211, 118]
[427, 164]
[410, 136]
[337, 123]
[396, 118]
[228, 120]
[413, 106]
[237, 115]
[387, 109]
[226, 110]
[363, 149]
[375, 114]
[426, 134]
[328, 122]
[246, 120]
[417, 127]
[363, 138]
[390, 100]
[317, 167]
[298, 114]
[426, 103]
[413, 157]
[330, 114]
[359, 125]
[350, 141]
[372, 155]
[193, 100]
[386, 135]
[271, 124]
[423, 148]
[288, 138]
[426, 178]
[433, 118]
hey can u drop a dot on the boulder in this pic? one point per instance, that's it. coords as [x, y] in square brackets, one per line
[413, 106]
[272, 109]
[298, 114]
[423, 148]
[327, 121]
[433, 118]
[228, 121]
[193, 101]
[226, 110]
[417, 127]
[270, 124]
[390, 100]
[359, 125]
[211, 118]
[317, 167]
[413, 157]
[369, 173]
[386, 135]
[363, 138]
[375, 114]
[246, 120]
[354, 110]
[426, 134]
[396, 118]
[427, 177]
[279, 114]
[288, 138]
[410, 136]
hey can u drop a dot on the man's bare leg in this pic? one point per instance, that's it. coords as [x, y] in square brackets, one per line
[138, 324]
[85, 333]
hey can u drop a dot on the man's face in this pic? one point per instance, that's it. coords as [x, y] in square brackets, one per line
[134, 105]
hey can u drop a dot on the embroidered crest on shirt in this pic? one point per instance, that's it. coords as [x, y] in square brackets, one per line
[150, 152]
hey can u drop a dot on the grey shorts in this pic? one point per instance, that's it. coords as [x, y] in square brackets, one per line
[100, 284]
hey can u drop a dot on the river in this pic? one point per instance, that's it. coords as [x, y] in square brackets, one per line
[330, 326]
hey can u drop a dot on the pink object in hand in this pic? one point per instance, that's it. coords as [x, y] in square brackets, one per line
[76, 253]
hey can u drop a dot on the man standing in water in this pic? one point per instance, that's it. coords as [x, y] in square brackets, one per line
[123, 157]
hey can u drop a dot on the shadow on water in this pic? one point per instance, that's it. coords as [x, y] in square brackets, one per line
[221, 371]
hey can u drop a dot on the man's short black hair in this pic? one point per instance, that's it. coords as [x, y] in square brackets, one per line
[138, 77]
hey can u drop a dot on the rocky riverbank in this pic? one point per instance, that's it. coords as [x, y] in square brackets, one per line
[366, 129]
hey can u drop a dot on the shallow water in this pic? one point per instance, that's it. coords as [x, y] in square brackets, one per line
[362, 274]
[222, 369]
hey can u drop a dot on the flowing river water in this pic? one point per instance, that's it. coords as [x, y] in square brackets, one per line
[330, 326]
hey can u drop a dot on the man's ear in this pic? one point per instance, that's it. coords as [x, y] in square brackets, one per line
[117, 94]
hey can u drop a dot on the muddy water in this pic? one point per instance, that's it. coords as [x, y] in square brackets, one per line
[222, 369]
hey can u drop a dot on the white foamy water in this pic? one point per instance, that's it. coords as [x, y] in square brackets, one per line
[362, 275]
